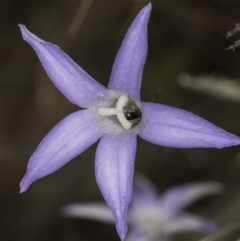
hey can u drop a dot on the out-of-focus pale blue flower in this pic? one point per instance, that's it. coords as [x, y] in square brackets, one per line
[115, 116]
[152, 217]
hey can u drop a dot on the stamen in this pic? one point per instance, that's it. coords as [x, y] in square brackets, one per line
[124, 122]
[107, 111]
[118, 111]
[122, 101]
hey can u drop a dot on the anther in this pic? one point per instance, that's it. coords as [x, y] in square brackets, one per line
[124, 122]
[122, 101]
[107, 111]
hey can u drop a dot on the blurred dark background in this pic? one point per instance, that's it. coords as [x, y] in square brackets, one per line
[184, 36]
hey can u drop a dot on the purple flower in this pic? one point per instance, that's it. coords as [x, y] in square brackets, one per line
[153, 217]
[115, 115]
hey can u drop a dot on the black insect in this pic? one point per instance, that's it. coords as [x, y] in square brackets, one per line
[132, 113]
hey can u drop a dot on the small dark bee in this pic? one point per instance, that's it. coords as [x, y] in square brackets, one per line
[132, 113]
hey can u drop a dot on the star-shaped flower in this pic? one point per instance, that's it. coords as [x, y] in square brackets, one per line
[152, 217]
[115, 116]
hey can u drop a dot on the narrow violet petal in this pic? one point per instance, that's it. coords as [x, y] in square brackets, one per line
[172, 127]
[94, 211]
[74, 83]
[127, 70]
[190, 223]
[144, 192]
[114, 166]
[74, 134]
[187, 194]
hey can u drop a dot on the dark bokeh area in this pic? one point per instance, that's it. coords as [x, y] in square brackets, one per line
[184, 36]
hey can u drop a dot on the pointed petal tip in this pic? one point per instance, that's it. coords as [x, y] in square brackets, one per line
[27, 35]
[146, 10]
[21, 26]
[22, 189]
[64, 211]
[122, 232]
[121, 226]
[237, 141]
[24, 185]
[149, 6]
[232, 141]
[24, 30]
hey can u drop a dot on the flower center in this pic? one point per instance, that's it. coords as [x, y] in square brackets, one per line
[126, 110]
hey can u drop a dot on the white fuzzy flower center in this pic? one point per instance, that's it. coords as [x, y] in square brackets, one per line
[151, 219]
[118, 111]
